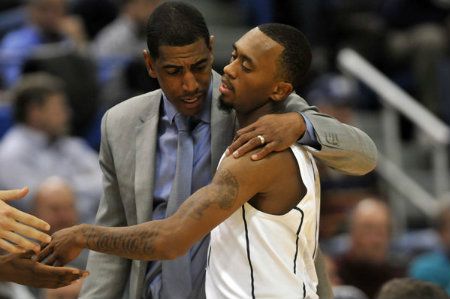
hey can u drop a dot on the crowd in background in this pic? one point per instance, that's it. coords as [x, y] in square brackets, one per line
[64, 62]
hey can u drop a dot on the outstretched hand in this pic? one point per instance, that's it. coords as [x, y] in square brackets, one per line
[65, 246]
[272, 132]
[19, 268]
[16, 226]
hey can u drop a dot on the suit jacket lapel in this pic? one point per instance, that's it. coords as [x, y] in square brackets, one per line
[146, 142]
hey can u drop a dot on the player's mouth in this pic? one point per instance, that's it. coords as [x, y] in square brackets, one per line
[226, 87]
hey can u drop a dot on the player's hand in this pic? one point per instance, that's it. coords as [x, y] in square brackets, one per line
[16, 226]
[65, 246]
[272, 132]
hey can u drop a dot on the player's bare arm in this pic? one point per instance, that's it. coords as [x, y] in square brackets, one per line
[234, 183]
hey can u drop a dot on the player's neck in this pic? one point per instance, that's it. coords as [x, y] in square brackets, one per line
[247, 118]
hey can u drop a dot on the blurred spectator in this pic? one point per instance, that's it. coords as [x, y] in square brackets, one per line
[47, 24]
[336, 95]
[55, 202]
[37, 147]
[118, 52]
[367, 264]
[6, 120]
[78, 72]
[12, 15]
[340, 291]
[131, 80]
[435, 266]
[124, 38]
[407, 288]
[95, 14]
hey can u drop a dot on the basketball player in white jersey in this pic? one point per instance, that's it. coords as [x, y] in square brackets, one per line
[266, 248]
[263, 214]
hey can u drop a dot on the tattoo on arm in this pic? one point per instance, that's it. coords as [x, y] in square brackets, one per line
[230, 187]
[224, 197]
[144, 240]
[136, 242]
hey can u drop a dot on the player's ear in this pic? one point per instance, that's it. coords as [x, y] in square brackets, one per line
[281, 91]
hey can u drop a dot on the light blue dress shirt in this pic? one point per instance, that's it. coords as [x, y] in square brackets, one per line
[166, 154]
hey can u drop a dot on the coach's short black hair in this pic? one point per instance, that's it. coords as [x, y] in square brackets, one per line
[175, 24]
[295, 59]
[34, 89]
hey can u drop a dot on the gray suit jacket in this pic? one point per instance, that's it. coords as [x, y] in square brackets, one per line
[127, 159]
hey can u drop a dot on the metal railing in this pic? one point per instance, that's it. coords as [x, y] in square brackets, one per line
[395, 102]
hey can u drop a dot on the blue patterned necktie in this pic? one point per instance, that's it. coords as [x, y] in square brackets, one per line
[176, 275]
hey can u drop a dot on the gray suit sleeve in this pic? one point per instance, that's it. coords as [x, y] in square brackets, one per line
[108, 274]
[343, 147]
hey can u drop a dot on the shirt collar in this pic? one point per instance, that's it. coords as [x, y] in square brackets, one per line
[204, 115]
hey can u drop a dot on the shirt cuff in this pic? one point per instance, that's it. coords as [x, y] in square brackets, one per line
[309, 138]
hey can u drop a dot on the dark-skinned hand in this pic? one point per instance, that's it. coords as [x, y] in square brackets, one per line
[65, 246]
[20, 268]
[279, 132]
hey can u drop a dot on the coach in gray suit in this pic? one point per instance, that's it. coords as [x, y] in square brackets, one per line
[139, 143]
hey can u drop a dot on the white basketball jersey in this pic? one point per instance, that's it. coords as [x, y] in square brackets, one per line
[253, 254]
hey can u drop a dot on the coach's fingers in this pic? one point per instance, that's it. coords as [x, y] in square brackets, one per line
[267, 149]
[246, 143]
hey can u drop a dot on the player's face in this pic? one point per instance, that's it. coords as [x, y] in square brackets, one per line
[251, 77]
[184, 74]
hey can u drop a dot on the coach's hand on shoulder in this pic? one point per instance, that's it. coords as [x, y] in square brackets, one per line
[16, 226]
[19, 268]
[272, 132]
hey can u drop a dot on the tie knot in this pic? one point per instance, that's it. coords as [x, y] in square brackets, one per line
[185, 123]
[182, 122]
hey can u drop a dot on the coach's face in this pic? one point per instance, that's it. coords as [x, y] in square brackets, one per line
[184, 74]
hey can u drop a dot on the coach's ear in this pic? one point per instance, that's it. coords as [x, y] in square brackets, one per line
[149, 63]
[281, 91]
[212, 43]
